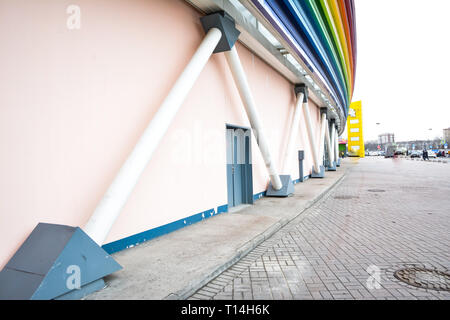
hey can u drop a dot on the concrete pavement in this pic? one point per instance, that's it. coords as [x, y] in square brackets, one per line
[176, 265]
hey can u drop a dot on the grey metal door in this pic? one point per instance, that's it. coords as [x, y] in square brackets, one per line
[239, 170]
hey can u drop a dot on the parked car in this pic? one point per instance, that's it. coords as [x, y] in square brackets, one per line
[390, 151]
[400, 151]
[431, 154]
[415, 154]
[373, 153]
[441, 153]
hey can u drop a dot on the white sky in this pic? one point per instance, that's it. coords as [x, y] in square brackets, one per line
[403, 67]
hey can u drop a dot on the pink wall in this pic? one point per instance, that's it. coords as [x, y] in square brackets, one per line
[74, 102]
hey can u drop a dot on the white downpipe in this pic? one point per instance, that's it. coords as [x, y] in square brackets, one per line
[322, 137]
[247, 99]
[336, 145]
[329, 144]
[293, 134]
[120, 189]
[312, 141]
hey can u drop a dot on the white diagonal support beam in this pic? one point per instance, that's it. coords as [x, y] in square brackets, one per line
[333, 142]
[241, 82]
[329, 144]
[293, 133]
[323, 128]
[336, 144]
[312, 141]
[123, 184]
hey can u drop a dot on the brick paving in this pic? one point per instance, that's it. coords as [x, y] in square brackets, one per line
[385, 214]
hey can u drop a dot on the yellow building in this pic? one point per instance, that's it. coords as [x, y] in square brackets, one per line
[355, 130]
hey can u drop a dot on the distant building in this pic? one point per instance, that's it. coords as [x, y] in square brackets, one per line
[421, 144]
[446, 135]
[386, 138]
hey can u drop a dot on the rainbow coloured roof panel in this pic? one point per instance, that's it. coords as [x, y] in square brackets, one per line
[323, 35]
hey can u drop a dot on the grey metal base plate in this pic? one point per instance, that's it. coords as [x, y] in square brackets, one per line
[286, 190]
[53, 261]
[320, 174]
[332, 167]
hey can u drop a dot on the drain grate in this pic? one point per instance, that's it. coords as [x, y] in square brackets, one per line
[424, 278]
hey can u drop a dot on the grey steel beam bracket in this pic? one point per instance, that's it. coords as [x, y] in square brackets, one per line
[225, 23]
[302, 88]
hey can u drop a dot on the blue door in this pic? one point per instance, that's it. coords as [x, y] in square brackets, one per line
[239, 168]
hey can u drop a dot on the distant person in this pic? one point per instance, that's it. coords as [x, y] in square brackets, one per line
[425, 154]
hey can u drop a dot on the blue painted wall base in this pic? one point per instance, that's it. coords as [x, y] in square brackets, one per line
[144, 236]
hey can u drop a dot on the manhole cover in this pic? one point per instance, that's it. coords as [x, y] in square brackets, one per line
[424, 278]
[376, 190]
[344, 197]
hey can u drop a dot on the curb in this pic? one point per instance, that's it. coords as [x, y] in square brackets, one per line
[195, 285]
